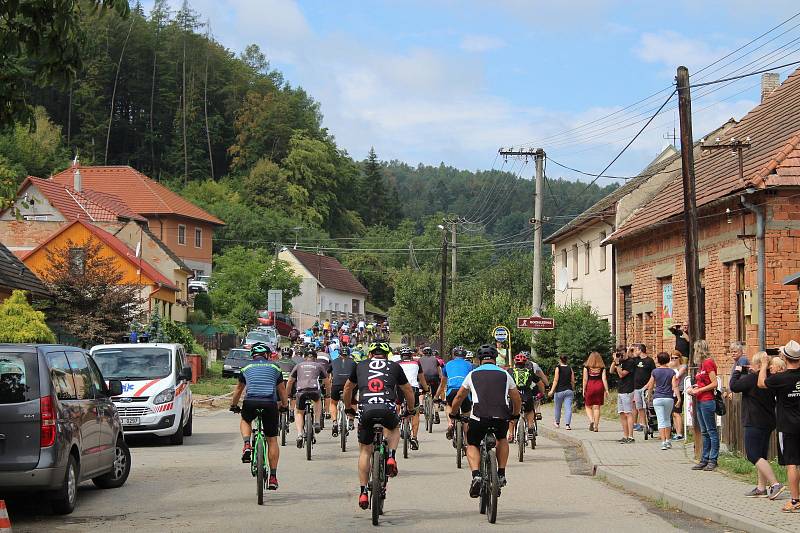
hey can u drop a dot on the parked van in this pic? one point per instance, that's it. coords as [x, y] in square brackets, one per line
[58, 426]
[156, 398]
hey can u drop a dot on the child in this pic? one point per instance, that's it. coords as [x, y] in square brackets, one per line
[777, 365]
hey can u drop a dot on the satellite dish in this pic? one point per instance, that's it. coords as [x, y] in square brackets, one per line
[561, 284]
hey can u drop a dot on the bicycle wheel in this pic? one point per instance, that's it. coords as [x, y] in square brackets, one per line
[284, 427]
[376, 487]
[535, 433]
[493, 488]
[343, 429]
[406, 437]
[521, 439]
[429, 416]
[459, 440]
[261, 475]
[483, 500]
[309, 432]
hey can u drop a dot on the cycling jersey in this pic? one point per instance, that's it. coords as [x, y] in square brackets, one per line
[430, 367]
[376, 380]
[262, 379]
[455, 371]
[341, 370]
[412, 370]
[524, 378]
[489, 385]
[286, 366]
[358, 355]
[308, 375]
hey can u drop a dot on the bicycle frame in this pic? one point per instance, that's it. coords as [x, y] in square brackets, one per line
[490, 487]
[377, 473]
[259, 459]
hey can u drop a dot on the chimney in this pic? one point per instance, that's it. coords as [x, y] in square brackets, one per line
[77, 179]
[769, 82]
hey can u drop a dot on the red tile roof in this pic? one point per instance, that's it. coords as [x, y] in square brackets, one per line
[329, 272]
[773, 159]
[87, 205]
[140, 193]
[118, 246]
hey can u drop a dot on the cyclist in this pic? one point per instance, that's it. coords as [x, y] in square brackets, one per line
[491, 388]
[358, 353]
[531, 365]
[307, 375]
[453, 376]
[265, 390]
[377, 380]
[286, 364]
[432, 369]
[341, 370]
[525, 379]
[416, 377]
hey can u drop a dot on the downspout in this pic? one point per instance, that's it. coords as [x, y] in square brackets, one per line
[762, 276]
[614, 293]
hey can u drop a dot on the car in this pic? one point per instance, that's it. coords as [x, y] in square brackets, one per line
[156, 398]
[269, 338]
[198, 284]
[58, 424]
[236, 359]
[283, 323]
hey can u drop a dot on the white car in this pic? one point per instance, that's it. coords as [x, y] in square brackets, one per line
[156, 398]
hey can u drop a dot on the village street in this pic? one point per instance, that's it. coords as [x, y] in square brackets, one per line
[202, 486]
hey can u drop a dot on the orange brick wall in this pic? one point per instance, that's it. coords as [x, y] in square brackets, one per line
[166, 229]
[663, 246]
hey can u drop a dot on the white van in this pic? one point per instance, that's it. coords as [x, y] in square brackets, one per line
[156, 398]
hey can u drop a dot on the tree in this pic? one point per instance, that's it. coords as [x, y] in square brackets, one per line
[202, 304]
[416, 297]
[241, 280]
[374, 194]
[268, 185]
[92, 301]
[19, 322]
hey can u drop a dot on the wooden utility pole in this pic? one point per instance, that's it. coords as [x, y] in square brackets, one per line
[443, 294]
[696, 325]
[453, 268]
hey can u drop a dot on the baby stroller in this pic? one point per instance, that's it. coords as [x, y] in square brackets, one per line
[651, 427]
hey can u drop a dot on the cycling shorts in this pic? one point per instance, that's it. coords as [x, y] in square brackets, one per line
[401, 397]
[370, 415]
[336, 392]
[479, 428]
[269, 415]
[433, 383]
[302, 395]
[527, 401]
[466, 405]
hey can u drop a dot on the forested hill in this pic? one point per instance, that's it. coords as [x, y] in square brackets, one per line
[156, 91]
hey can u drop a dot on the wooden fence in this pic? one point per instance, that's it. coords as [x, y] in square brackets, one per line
[732, 431]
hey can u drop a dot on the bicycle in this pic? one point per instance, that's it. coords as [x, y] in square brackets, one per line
[376, 483]
[490, 484]
[458, 439]
[405, 432]
[521, 436]
[258, 459]
[341, 423]
[429, 412]
[308, 427]
[283, 424]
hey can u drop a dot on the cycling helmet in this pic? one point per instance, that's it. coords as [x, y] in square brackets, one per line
[380, 347]
[487, 352]
[470, 355]
[286, 352]
[520, 359]
[259, 349]
[344, 351]
[406, 352]
[459, 351]
[427, 350]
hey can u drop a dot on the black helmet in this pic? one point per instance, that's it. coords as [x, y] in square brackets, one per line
[487, 352]
[344, 351]
[459, 351]
[406, 352]
[310, 351]
[286, 352]
[427, 350]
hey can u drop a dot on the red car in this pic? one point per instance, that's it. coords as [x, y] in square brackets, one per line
[283, 323]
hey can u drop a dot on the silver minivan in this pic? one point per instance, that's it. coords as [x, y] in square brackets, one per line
[58, 425]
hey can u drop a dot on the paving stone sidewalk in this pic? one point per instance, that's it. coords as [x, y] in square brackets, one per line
[644, 469]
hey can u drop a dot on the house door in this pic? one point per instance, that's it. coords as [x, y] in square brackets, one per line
[356, 307]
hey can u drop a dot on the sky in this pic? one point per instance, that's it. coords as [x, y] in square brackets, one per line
[454, 80]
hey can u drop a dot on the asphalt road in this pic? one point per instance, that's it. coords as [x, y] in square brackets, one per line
[203, 486]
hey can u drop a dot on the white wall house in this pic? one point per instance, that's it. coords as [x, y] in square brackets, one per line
[326, 286]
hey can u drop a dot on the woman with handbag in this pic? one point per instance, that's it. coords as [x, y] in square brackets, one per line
[703, 392]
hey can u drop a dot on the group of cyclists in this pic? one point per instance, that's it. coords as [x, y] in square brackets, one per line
[383, 387]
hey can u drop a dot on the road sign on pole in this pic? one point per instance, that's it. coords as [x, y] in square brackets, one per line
[536, 322]
[275, 300]
[500, 334]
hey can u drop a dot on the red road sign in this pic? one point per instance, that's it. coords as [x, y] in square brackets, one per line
[536, 322]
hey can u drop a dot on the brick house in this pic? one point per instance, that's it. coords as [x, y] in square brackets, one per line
[649, 245]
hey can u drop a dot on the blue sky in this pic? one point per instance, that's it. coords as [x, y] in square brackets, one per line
[452, 81]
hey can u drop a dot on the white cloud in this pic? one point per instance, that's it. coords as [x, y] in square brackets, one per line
[481, 43]
[673, 49]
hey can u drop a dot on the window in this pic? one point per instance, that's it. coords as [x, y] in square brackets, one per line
[586, 257]
[81, 375]
[356, 306]
[564, 258]
[741, 330]
[336, 307]
[627, 312]
[20, 374]
[77, 260]
[574, 261]
[346, 308]
[61, 376]
[601, 252]
[97, 378]
[198, 237]
[181, 234]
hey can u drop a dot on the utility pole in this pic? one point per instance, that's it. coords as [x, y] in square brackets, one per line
[443, 293]
[453, 269]
[696, 325]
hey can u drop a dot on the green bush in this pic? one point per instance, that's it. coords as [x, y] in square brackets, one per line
[202, 304]
[19, 322]
[196, 317]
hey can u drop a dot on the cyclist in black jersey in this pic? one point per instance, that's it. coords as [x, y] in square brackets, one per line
[341, 369]
[286, 364]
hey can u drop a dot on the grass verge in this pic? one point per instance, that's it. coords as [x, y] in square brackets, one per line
[213, 384]
[609, 409]
[737, 466]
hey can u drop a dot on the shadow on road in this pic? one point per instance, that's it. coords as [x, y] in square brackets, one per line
[197, 439]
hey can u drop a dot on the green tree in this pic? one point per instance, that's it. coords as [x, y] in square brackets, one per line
[21, 323]
[33, 151]
[202, 303]
[268, 185]
[416, 297]
[374, 191]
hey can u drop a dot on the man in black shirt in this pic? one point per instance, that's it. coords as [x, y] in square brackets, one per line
[681, 332]
[787, 392]
[624, 365]
[341, 369]
[644, 368]
[376, 379]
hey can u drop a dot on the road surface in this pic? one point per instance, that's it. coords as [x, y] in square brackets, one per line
[203, 486]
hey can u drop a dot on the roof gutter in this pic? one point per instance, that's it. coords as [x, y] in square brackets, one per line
[758, 211]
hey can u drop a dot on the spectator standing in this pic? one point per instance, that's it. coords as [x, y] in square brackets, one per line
[703, 392]
[681, 332]
[624, 366]
[595, 388]
[758, 421]
[563, 390]
[786, 386]
[663, 385]
[678, 364]
[644, 368]
[738, 358]
[777, 365]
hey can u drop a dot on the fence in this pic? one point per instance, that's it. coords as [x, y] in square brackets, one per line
[731, 433]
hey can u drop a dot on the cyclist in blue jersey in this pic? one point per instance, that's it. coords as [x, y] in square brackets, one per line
[265, 390]
[453, 375]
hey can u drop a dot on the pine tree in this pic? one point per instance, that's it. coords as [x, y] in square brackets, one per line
[374, 210]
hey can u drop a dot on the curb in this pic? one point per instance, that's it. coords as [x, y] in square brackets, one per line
[673, 499]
